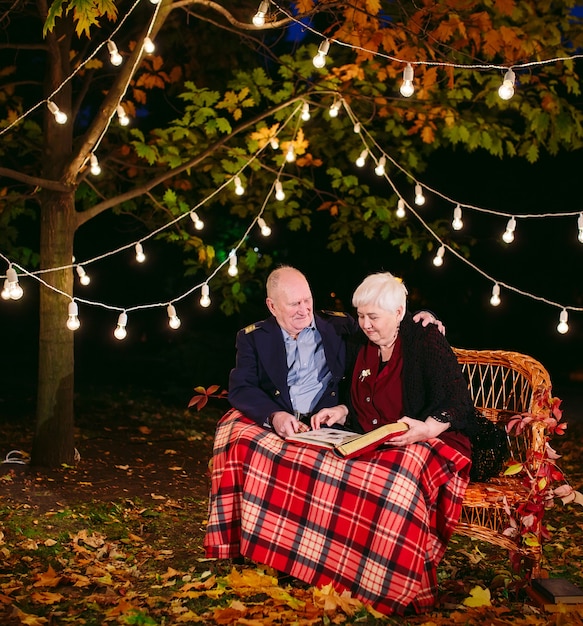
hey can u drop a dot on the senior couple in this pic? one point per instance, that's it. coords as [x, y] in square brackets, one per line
[376, 525]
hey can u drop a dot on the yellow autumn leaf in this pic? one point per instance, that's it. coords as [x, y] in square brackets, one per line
[249, 578]
[27, 619]
[46, 597]
[513, 469]
[47, 579]
[478, 597]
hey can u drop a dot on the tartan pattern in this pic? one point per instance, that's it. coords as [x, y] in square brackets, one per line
[376, 526]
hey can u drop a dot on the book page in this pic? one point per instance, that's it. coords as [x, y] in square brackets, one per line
[325, 437]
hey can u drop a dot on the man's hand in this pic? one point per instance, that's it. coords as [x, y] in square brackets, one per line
[425, 317]
[286, 424]
[329, 416]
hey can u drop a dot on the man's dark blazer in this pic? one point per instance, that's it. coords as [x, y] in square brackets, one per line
[258, 383]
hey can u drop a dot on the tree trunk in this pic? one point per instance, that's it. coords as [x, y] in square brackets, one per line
[53, 442]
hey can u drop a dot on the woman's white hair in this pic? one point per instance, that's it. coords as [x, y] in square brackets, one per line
[383, 290]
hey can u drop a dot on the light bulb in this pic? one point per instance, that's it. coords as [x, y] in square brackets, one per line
[419, 197]
[239, 189]
[94, 165]
[155, 1]
[319, 60]
[508, 236]
[149, 46]
[495, 299]
[60, 117]
[380, 168]
[120, 331]
[15, 291]
[356, 128]
[334, 108]
[140, 256]
[83, 278]
[73, 321]
[205, 299]
[173, 319]
[305, 111]
[457, 223]
[506, 89]
[124, 120]
[401, 208]
[563, 326]
[580, 227]
[438, 259]
[265, 230]
[407, 88]
[233, 269]
[259, 17]
[198, 223]
[114, 55]
[362, 158]
[274, 143]
[279, 192]
[290, 155]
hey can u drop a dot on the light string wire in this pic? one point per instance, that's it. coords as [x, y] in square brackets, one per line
[376, 53]
[364, 131]
[441, 242]
[36, 274]
[80, 67]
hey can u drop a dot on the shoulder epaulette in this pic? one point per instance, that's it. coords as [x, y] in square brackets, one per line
[335, 313]
[250, 328]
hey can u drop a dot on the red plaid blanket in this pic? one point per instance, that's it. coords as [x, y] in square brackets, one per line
[377, 526]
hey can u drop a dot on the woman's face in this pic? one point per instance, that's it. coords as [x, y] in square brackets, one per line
[378, 325]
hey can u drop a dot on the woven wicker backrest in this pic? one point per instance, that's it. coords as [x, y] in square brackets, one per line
[503, 383]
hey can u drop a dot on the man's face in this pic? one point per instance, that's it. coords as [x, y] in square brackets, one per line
[292, 303]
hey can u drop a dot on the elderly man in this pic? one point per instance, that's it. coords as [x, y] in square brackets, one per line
[292, 365]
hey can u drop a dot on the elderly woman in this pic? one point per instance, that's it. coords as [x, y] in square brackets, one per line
[378, 524]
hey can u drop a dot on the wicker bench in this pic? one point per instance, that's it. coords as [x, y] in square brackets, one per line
[502, 383]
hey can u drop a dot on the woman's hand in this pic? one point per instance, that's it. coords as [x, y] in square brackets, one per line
[419, 430]
[329, 416]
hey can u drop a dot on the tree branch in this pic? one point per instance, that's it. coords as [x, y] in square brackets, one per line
[35, 181]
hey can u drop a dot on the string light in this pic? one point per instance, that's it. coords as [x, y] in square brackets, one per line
[83, 277]
[334, 108]
[124, 120]
[563, 326]
[400, 208]
[120, 331]
[205, 299]
[508, 236]
[506, 89]
[233, 269]
[173, 319]
[149, 46]
[356, 128]
[495, 299]
[155, 1]
[274, 143]
[259, 17]
[198, 223]
[290, 155]
[140, 256]
[279, 192]
[438, 259]
[379, 170]
[580, 227]
[94, 166]
[239, 189]
[60, 117]
[362, 158]
[457, 223]
[306, 112]
[265, 230]
[114, 55]
[407, 88]
[73, 322]
[319, 60]
[419, 197]
[12, 289]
